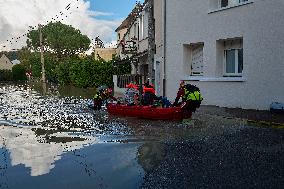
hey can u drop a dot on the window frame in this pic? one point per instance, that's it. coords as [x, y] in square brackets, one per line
[235, 74]
[240, 2]
[199, 46]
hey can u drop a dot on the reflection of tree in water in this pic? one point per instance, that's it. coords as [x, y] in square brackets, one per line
[150, 155]
[4, 166]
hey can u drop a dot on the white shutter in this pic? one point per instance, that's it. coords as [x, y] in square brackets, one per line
[197, 61]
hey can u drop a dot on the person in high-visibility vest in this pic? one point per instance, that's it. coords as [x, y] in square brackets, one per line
[191, 97]
[101, 96]
[98, 101]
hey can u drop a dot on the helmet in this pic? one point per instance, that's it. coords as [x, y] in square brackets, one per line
[182, 84]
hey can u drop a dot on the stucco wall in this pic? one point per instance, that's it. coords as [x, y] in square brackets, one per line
[260, 25]
[105, 53]
[5, 63]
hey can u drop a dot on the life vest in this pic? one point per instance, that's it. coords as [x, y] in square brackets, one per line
[149, 90]
[131, 85]
[192, 93]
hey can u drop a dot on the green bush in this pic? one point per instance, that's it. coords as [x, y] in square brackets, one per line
[19, 73]
[6, 75]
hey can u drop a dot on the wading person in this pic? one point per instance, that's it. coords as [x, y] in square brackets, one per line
[191, 97]
[101, 96]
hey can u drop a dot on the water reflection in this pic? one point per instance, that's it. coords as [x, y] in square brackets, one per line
[35, 152]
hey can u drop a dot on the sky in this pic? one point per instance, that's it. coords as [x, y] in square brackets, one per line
[92, 17]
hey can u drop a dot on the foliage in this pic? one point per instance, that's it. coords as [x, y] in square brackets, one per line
[121, 68]
[63, 71]
[88, 72]
[19, 72]
[61, 39]
[50, 63]
[6, 75]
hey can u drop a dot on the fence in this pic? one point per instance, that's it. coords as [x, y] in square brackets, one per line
[123, 80]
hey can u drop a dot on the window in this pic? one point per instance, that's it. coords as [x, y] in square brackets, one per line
[197, 59]
[228, 3]
[224, 3]
[141, 20]
[233, 62]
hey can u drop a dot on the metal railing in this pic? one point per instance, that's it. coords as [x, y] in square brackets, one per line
[123, 80]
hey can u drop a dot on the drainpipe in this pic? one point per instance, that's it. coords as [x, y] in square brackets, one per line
[151, 40]
[165, 40]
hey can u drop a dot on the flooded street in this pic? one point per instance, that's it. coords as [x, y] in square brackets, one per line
[50, 138]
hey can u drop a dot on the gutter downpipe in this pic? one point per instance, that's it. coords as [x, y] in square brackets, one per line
[165, 38]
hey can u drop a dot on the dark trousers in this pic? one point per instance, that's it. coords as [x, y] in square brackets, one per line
[98, 104]
[190, 105]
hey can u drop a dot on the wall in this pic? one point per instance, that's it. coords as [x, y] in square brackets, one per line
[105, 53]
[5, 63]
[260, 25]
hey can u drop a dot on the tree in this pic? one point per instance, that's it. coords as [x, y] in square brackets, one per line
[60, 39]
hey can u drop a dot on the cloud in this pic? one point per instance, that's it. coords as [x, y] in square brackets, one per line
[112, 44]
[17, 15]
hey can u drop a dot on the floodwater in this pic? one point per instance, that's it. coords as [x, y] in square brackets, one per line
[49, 138]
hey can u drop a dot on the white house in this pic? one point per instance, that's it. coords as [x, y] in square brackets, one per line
[16, 61]
[5, 63]
[134, 43]
[233, 50]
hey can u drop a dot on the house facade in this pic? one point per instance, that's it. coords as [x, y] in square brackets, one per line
[134, 44]
[231, 49]
[5, 63]
[104, 53]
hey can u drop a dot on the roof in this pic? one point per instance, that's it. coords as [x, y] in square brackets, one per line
[130, 18]
[16, 61]
[5, 63]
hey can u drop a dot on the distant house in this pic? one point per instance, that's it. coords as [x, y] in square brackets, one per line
[134, 42]
[16, 61]
[105, 53]
[5, 63]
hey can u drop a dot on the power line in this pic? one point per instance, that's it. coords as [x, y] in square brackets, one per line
[62, 15]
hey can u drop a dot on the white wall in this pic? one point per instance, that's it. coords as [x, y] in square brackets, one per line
[261, 26]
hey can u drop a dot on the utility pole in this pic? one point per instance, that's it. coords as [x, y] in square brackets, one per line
[41, 54]
[151, 40]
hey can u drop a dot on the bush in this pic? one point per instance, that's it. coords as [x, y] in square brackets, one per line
[19, 73]
[6, 75]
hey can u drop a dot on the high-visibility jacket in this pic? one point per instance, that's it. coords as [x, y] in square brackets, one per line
[98, 97]
[194, 95]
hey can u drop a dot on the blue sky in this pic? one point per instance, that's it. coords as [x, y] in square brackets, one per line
[118, 8]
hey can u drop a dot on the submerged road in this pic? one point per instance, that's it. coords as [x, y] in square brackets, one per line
[55, 141]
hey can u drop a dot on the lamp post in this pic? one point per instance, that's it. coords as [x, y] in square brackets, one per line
[41, 54]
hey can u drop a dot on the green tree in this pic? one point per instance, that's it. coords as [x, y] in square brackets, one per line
[19, 72]
[58, 38]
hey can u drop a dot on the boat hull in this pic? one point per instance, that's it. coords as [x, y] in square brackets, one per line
[148, 112]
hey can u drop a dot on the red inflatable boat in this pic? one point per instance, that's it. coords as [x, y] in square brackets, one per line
[148, 112]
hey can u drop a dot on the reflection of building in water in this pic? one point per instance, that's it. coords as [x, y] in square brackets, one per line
[150, 155]
[28, 149]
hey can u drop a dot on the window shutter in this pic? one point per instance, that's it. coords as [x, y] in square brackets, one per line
[197, 61]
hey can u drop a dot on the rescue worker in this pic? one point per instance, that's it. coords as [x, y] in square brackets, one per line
[98, 101]
[102, 96]
[191, 97]
[148, 94]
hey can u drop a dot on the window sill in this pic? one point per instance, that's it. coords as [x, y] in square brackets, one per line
[216, 79]
[229, 7]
